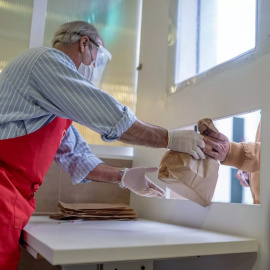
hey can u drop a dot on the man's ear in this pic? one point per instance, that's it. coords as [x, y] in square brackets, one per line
[83, 43]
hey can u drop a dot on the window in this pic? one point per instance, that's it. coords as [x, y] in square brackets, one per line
[15, 19]
[118, 22]
[238, 128]
[210, 32]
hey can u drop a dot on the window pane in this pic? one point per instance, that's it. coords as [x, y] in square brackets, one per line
[238, 128]
[118, 23]
[210, 32]
[15, 21]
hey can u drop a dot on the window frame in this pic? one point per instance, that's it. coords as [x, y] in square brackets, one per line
[241, 59]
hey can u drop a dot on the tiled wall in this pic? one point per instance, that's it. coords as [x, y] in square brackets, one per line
[57, 186]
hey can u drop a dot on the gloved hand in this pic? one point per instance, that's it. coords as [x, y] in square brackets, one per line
[136, 180]
[187, 141]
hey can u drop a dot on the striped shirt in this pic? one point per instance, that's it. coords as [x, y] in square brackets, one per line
[43, 83]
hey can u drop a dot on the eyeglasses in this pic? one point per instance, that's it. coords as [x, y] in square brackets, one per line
[91, 40]
[79, 34]
[102, 50]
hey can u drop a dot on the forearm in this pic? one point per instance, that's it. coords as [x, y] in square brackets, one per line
[141, 133]
[105, 173]
[134, 179]
[244, 156]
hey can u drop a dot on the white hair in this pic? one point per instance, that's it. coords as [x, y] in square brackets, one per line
[71, 32]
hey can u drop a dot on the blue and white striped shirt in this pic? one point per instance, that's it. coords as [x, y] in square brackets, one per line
[43, 83]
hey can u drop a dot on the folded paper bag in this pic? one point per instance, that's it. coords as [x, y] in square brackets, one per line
[191, 178]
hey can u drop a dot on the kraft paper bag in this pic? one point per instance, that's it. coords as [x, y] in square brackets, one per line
[191, 178]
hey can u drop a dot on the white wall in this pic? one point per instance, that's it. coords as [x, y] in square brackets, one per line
[247, 80]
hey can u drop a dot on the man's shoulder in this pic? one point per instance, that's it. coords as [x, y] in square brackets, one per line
[30, 56]
[51, 55]
[44, 57]
[36, 51]
[42, 51]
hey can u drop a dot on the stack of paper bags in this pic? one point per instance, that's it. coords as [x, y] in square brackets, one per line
[94, 211]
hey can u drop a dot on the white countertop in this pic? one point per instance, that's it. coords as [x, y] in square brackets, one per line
[109, 241]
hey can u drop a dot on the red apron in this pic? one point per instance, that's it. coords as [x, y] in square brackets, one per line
[24, 161]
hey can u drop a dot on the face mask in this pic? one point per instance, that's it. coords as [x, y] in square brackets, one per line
[87, 71]
[95, 71]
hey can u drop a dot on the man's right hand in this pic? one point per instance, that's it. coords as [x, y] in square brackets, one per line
[187, 141]
[217, 145]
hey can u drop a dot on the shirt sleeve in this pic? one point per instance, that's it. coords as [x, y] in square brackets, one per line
[57, 87]
[244, 156]
[75, 157]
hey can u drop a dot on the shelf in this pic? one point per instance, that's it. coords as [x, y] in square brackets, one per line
[112, 152]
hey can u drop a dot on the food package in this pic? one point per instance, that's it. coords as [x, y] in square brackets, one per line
[205, 126]
[191, 178]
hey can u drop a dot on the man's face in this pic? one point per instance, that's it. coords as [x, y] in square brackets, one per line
[94, 59]
[91, 54]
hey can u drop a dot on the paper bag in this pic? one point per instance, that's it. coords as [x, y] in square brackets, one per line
[191, 178]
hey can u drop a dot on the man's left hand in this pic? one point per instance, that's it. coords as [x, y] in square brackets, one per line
[136, 180]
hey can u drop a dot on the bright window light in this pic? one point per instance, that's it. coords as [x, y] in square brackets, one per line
[211, 32]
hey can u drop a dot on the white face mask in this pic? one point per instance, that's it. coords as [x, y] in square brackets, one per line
[87, 71]
[96, 69]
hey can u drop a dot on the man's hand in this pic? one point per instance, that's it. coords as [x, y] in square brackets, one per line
[187, 141]
[217, 145]
[135, 179]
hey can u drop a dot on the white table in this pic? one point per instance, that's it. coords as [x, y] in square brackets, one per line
[111, 241]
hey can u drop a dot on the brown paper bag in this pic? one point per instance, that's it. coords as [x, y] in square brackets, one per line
[191, 178]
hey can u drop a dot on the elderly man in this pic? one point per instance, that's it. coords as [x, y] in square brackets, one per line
[41, 92]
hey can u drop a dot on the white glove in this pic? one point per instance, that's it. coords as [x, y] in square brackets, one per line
[136, 180]
[187, 141]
